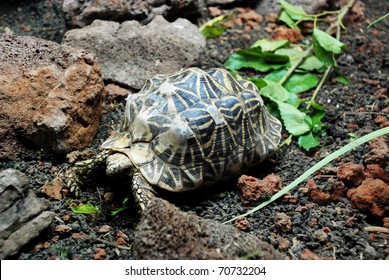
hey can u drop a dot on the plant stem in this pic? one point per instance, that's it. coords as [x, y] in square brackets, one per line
[295, 65]
[329, 30]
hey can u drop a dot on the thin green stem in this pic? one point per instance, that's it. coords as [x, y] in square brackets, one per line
[295, 65]
[319, 86]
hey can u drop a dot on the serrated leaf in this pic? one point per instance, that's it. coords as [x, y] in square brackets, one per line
[275, 91]
[295, 12]
[326, 57]
[256, 59]
[84, 209]
[297, 83]
[270, 46]
[295, 122]
[293, 54]
[308, 141]
[213, 28]
[312, 63]
[294, 100]
[316, 116]
[287, 19]
[327, 42]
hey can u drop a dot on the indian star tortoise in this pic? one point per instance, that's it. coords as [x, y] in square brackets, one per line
[183, 131]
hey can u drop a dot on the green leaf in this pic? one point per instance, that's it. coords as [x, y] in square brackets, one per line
[294, 100]
[120, 209]
[275, 91]
[327, 42]
[212, 28]
[312, 63]
[308, 141]
[287, 19]
[343, 80]
[258, 82]
[295, 122]
[270, 46]
[213, 31]
[316, 115]
[297, 83]
[256, 59]
[326, 57]
[84, 209]
[293, 54]
[295, 12]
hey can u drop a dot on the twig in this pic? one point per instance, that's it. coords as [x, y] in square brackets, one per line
[376, 229]
[112, 244]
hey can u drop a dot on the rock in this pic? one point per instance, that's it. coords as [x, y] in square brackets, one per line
[79, 13]
[129, 53]
[379, 153]
[372, 197]
[291, 34]
[53, 189]
[50, 95]
[351, 172]
[165, 232]
[309, 255]
[22, 214]
[317, 196]
[254, 190]
[116, 91]
[283, 222]
[376, 172]
[243, 224]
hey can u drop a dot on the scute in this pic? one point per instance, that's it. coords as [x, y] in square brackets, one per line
[195, 127]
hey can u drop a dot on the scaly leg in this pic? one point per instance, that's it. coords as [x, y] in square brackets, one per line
[143, 191]
[83, 172]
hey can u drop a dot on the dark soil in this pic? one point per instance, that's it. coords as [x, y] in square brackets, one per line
[331, 231]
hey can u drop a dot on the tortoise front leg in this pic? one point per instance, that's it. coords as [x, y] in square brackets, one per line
[83, 172]
[143, 191]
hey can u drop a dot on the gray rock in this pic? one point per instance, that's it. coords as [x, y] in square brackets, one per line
[165, 232]
[51, 95]
[80, 13]
[22, 214]
[129, 53]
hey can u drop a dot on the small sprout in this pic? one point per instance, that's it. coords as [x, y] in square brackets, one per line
[63, 252]
[377, 20]
[122, 208]
[213, 28]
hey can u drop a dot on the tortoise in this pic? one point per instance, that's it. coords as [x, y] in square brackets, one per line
[183, 131]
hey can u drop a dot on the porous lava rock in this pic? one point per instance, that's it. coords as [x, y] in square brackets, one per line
[50, 95]
[253, 190]
[165, 232]
[372, 197]
[80, 13]
[129, 53]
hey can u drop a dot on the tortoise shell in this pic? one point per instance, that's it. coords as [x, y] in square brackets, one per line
[195, 127]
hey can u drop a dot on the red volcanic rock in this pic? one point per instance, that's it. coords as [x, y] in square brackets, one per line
[351, 172]
[50, 95]
[372, 197]
[253, 189]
